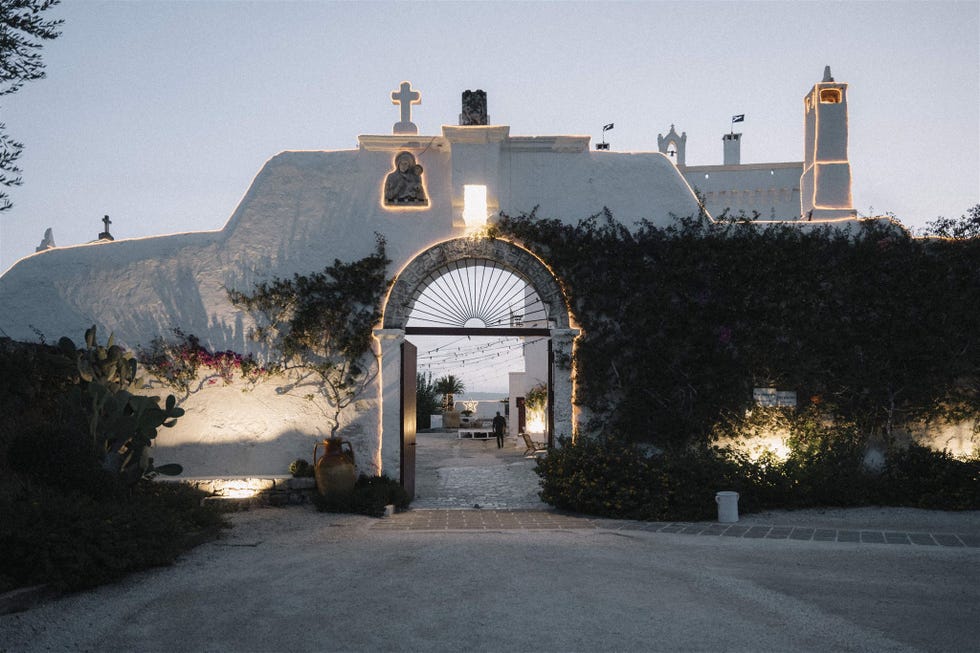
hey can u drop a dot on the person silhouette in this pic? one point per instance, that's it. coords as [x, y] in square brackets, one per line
[499, 424]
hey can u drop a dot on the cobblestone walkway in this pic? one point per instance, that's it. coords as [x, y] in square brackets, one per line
[485, 520]
[500, 486]
[472, 485]
[460, 474]
[799, 533]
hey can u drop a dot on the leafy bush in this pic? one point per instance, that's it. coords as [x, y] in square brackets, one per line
[680, 323]
[301, 468]
[72, 541]
[370, 496]
[427, 401]
[60, 458]
[67, 521]
[615, 478]
[923, 478]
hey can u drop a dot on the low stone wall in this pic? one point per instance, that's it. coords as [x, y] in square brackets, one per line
[248, 490]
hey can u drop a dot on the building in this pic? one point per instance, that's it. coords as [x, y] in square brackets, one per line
[429, 196]
[817, 188]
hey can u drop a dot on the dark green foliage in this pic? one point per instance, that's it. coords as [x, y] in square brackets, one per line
[967, 226]
[680, 323]
[613, 478]
[301, 468]
[72, 541]
[23, 28]
[826, 464]
[33, 381]
[370, 496]
[66, 520]
[58, 458]
[121, 425]
[449, 386]
[426, 400]
[924, 478]
[74, 404]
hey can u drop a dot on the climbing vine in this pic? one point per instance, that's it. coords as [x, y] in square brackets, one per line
[680, 323]
[320, 326]
[184, 364]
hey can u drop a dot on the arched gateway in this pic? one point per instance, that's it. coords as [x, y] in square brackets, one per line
[397, 356]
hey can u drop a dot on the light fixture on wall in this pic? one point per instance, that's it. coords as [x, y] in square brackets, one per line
[474, 205]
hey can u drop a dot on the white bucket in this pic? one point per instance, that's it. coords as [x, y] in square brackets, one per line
[727, 507]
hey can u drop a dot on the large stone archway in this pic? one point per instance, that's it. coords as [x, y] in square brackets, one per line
[411, 281]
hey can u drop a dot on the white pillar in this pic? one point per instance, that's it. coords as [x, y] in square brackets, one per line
[390, 379]
[562, 344]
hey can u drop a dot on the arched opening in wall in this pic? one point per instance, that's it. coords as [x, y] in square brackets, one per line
[481, 329]
[492, 316]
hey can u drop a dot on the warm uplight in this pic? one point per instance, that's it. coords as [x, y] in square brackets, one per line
[474, 205]
[535, 420]
[240, 488]
[240, 493]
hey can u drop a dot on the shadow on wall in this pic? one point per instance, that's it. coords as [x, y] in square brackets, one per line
[249, 457]
[255, 457]
[181, 305]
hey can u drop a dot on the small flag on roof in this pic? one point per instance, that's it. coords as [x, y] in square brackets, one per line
[739, 118]
[606, 128]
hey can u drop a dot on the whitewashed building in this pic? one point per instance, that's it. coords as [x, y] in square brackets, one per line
[429, 195]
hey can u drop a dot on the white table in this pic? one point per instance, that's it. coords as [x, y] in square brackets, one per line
[475, 434]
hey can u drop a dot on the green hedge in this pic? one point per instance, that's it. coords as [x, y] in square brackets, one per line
[370, 496]
[614, 478]
[72, 541]
[680, 323]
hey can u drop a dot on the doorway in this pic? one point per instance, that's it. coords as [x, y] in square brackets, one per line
[466, 288]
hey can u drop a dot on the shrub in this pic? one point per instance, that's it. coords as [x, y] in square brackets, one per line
[826, 464]
[301, 468]
[72, 541]
[611, 478]
[614, 478]
[370, 496]
[923, 478]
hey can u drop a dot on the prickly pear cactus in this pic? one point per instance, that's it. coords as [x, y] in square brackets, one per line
[122, 425]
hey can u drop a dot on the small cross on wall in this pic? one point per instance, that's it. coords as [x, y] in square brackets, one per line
[406, 97]
[105, 235]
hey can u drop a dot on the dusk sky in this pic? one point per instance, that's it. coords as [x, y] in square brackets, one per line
[159, 114]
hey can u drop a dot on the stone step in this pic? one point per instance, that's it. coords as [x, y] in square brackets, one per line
[241, 492]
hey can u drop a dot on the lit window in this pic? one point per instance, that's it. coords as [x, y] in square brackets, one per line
[830, 96]
[474, 205]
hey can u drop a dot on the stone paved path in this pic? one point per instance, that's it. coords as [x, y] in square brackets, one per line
[472, 485]
[455, 519]
[460, 474]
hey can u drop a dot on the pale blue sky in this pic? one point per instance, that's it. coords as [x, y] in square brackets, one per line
[161, 113]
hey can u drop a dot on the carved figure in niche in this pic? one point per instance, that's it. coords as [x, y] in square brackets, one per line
[474, 108]
[403, 185]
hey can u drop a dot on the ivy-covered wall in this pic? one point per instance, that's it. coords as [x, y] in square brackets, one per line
[866, 323]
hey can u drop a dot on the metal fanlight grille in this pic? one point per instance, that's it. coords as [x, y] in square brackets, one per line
[476, 293]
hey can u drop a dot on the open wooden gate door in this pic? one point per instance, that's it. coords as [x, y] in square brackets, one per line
[407, 466]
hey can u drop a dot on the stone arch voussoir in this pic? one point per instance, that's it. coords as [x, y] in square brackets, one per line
[415, 276]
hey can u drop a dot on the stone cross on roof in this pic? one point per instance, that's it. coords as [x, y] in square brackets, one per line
[406, 97]
[105, 235]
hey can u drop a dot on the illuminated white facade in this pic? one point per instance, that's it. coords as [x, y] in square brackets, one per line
[305, 209]
[817, 188]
